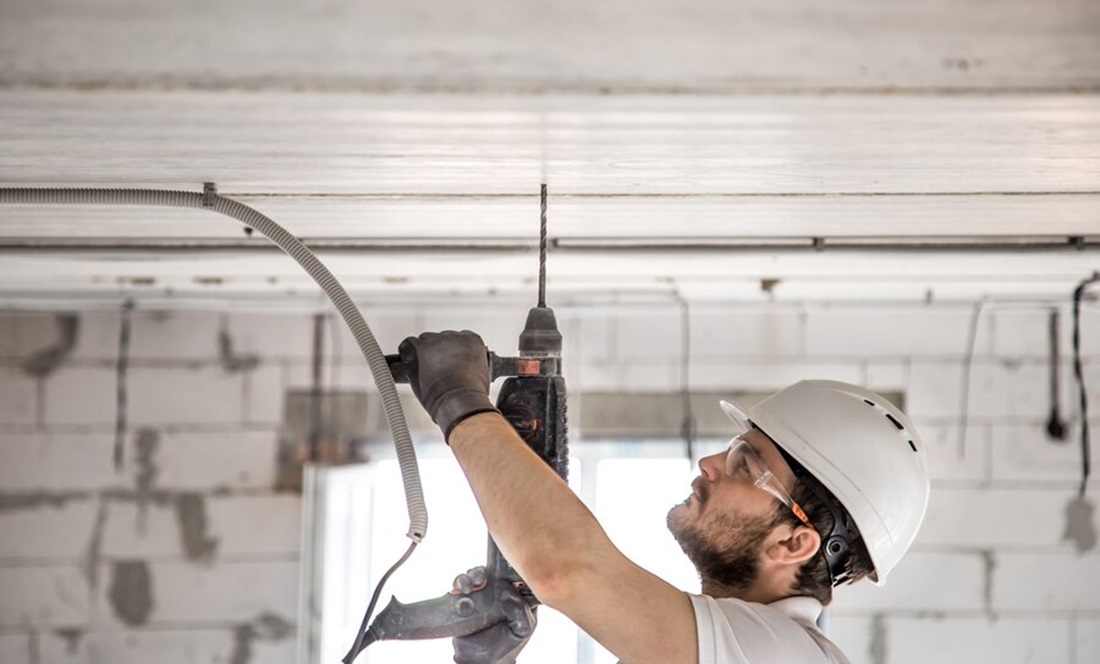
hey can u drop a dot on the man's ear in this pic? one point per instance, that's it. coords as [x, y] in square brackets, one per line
[793, 544]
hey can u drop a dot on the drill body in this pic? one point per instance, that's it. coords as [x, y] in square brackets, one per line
[490, 612]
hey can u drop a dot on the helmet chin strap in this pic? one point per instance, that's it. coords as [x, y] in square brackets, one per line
[836, 545]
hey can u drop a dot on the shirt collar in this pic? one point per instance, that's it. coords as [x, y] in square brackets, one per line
[804, 610]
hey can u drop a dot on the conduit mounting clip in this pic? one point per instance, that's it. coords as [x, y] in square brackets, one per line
[209, 193]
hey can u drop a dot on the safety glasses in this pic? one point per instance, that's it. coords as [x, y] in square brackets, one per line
[742, 462]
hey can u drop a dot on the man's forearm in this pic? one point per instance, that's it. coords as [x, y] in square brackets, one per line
[541, 527]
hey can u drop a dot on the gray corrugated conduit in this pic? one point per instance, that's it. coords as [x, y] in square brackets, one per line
[210, 200]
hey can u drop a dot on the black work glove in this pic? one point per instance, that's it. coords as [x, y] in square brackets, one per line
[449, 374]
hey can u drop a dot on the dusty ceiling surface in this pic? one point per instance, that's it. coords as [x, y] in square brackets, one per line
[723, 151]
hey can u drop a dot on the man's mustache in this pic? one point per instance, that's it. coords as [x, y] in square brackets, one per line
[699, 486]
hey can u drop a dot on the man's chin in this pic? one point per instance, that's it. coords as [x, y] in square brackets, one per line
[678, 517]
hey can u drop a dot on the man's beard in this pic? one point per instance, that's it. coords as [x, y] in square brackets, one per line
[726, 551]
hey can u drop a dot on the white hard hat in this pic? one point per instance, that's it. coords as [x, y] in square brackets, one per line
[861, 448]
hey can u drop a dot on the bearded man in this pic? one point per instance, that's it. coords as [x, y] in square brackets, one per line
[824, 483]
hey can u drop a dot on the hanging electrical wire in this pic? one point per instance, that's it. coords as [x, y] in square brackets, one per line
[687, 423]
[1056, 426]
[121, 381]
[1078, 372]
[968, 359]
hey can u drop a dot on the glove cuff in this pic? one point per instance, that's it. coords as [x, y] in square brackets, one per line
[457, 407]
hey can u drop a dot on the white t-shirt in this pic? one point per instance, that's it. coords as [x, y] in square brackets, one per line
[732, 631]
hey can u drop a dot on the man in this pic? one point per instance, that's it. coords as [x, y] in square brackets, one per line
[824, 484]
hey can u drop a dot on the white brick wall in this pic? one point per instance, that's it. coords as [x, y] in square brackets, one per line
[18, 398]
[57, 462]
[947, 460]
[990, 577]
[263, 394]
[81, 395]
[995, 519]
[98, 336]
[256, 525]
[1026, 332]
[179, 647]
[57, 531]
[25, 332]
[959, 581]
[1001, 640]
[174, 335]
[775, 375]
[140, 531]
[39, 597]
[219, 593]
[853, 634]
[886, 332]
[1062, 582]
[1087, 640]
[206, 395]
[217, 460]
[1025, 453]
[15, 648]
[388, 328]
[723, 333]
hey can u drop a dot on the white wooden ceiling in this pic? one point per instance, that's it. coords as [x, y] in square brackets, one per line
[699, 147]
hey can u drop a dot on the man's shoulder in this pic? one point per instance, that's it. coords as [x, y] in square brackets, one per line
[733, 630]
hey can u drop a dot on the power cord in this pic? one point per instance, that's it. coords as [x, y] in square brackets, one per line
[361, 637]
[1086, 456]
[687, 424]
[121, 372]
[964, 390]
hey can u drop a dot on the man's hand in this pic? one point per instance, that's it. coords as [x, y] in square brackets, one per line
[499, 643]
[449, 374]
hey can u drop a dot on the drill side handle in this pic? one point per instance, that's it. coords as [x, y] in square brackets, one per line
[463, 611]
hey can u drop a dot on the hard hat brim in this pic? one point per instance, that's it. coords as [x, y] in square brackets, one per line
[737, 415]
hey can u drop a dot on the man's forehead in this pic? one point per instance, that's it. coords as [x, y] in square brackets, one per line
[759, 440]
[769, 452]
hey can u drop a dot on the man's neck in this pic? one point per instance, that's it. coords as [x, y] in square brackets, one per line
[761, 591]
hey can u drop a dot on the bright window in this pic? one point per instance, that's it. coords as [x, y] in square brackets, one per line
[361, 519]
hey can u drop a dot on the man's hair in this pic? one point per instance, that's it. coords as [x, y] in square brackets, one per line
[813, 577]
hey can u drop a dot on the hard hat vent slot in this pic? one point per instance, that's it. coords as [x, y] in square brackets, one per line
[894, 421]
[912, 446]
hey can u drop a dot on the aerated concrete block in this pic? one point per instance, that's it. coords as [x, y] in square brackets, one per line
[15, 648]
[207, 395]
[82, 396]
[175, 335]
[1047, 582]
[740, 334]
[216, 460]
[984, 518]
[1086, 640]
[18, 398]
[258, 525]
[969, 639]
[57, 462]
[886, 332]
[218, 592]
[960, 586]
[44, 596]
[1026, 453]
[38, 527]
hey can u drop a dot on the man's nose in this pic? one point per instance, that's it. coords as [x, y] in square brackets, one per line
[713, 466]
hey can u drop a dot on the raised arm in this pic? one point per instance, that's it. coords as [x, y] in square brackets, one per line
[544, 530]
